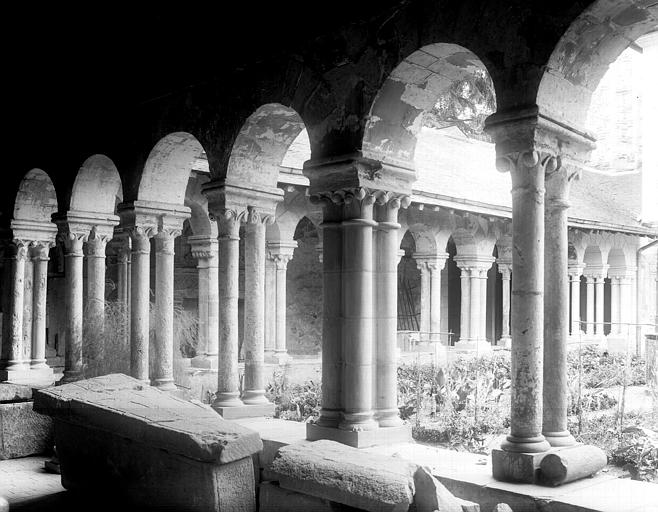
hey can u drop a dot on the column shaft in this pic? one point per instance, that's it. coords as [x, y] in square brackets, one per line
[435, 298]
[599, 305]
[505, 334]
[615, 305]
[527, 304]
[74, 309]
[203, 292]
[270, 306]
[28, 302]
[40, 262]
[163, 377]
[575, 304]
[95, 309]
[332, 356]
[556, 311]
[465, 313]
[139, 305]
[15, 261]
[483, 304]
[281, 272]
[229, 268]
[474, 323]
[589, 328]
[254, 311]
[357, 313]
[425, 300]
[386, 293]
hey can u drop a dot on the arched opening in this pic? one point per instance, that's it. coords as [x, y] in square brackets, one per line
[408, 286]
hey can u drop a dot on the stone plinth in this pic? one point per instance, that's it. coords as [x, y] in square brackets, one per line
[114, 434]
[516, 466]
[360, 438]
[23, 432]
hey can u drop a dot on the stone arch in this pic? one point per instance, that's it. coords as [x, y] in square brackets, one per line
[581, 57]
[593, 256]
[426, 76]
[262, 144]
[167, 169]
[36, 199]
[616, 258]
[97, 186]
[289, 213]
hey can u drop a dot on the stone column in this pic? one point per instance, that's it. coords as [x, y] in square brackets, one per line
[205, 249]
[465, 311]
[506, 271]
[589, 326]
[527, 170]
[425, 297]
[357, 311]
[254, 309]
[140, 303]
[627, 311]
[15, 257]
[575, 271]
[386, 296]
[228, 394]
[270, 307]
[28, 299]
[435, 268]
[556, 308]
[95, 309]
[281, 253]
[484, 279]
[332, 355]
[474, 323]
[599, 282]
[615, 306]
[73, 256]
[122, 249]
[39, 254]
[163, 347]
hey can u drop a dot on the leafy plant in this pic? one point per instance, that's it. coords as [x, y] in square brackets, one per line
[638, 453]
[297, 402]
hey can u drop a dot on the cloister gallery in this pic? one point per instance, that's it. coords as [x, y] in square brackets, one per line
[343, 162]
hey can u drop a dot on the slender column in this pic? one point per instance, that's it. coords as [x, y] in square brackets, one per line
[40, 292]
[465, 313]
[73, 256]
[527, 171]
[254, 309]
[332, 355]
[15, 258]
[435, 268]
[204, 249]
[627, 312]
[282, 253]
[589, 282]
[615, 304]
[574, 273]
[386, 294]
[228, 394]
[425, 297]
[163, 347]
[476, 306]
[123, 285]
[28, 300]
[357, 312]
[95, 310]
[139, 303]
[599, 282]
[556, 309]
[270, 306]
[506, 271]
[484, 278]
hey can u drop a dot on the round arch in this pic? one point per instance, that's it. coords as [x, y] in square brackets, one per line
[97, 186]
[36, 199]
[428, 79]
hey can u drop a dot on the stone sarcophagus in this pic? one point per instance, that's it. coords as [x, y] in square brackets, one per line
[114, 433]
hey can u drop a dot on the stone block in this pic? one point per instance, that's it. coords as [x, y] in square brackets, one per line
[339, 473]
[432, 495]
[114, 434]
[361, 439]
[516, 467]
[272, 498]
[23, 432]
[14, 392]
[245, 411]
[563, 465]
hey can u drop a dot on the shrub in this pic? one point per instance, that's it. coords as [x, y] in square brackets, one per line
[297, 402]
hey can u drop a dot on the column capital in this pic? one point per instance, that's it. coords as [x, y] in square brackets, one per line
[596, 271]
[97, 242]
[15, 249]
[431, 261]
[505, 268]
[625, 272]
[203, 247]
[39, 250]
[575, 270]
[474, 263]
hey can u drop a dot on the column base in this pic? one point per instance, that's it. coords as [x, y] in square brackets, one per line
[559, 439]
[70, 376]
[205, 362]
[516, 467]
[27, 376]
[245, 411]
[164, 384]
[505, 342]
[360, 439]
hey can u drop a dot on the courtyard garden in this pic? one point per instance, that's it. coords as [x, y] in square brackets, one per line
[465, 405]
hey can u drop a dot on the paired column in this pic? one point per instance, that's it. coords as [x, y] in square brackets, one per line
[16, 255]
[505, 270]
[430, 299]
[575, 272]
[140, 269]
[474, 298]
[163, 346]
[281, 253]
[465, 309]
[73, 259]
[599, 285]
[123, 251]
[205, 249]
[556, 308]
[527, 170]
[95, 308]
[590, 324]
[39, 254]
[228, 381]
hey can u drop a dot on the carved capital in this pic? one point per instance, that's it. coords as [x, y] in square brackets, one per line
[164, 239]
[139, 239]
[253, 215]
[40, 250]
[72, 242]
[505, 269]
[96, 243]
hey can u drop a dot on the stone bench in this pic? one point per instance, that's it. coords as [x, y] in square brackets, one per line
[115, 434]
[23, 432]
[320, 474]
